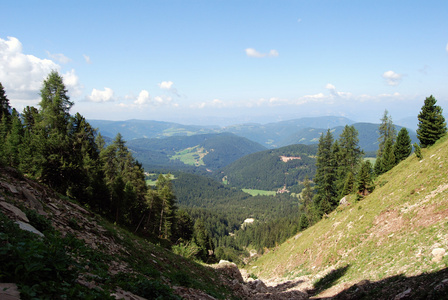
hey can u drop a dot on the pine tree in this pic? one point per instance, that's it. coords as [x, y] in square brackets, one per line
[365, 182]
[348, 158]
[386, 131]
[349, 184]
[55, 103]
[326, 193]
[388, 158]
[13, 141]
[168, 201]
[5, 108]
[303, 222]
[403, 146]
[418, 151]
[431, 123]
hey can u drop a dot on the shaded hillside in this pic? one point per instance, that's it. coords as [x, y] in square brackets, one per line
[211, 151]
[399, 230]
[75, 252]
[272, 169]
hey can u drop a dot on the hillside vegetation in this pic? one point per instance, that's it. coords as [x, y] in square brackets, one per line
[399, 231]
[266, 170]
[211, 151]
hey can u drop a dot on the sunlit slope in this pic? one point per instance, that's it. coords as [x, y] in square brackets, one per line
[392, 231]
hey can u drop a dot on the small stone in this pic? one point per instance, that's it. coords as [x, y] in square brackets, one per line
[403, 295]
[30, 228]
[438, 254]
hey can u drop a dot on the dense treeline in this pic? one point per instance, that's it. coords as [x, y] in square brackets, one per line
[65, 152]
[266, 171]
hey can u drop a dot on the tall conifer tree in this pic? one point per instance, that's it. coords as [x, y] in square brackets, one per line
[326, 193]
[403, 146]
[386, 131]
[431, 123]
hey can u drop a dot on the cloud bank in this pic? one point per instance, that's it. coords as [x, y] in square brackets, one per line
[22, 74]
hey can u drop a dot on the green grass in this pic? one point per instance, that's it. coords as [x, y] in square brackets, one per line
[153, 178]
[390, 232]
[191, 156]
[253, 192]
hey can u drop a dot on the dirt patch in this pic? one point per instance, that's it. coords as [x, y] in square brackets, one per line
[387, 223]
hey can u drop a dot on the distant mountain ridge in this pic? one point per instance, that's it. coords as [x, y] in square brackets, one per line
[272, 135]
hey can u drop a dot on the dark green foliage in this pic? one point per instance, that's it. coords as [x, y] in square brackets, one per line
[222, 149]
[55, 104]
[43, 268]
[303, 222]
[5, 108]
[418, 151]
[203, 239]
[387, 131]
[364, 179]
[431, 123]
[266, 171]
[326, 190]
[350, 152]
[184, 226]
[403, 146]
[377, 168]
[349, 184]
[388, 158]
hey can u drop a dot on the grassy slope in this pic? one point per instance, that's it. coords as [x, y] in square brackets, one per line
[391, 232]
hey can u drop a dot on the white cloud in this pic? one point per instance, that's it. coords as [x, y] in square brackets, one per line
[254, 53]
[446, 47]
[101, 96]
[71, 81]
[87, 59]
[392, 78]
[59, 57]
[143, 98]
[329, 86]
[273, 53]
[334, 93]
[168, 85]
[165, 85]
[22, 75]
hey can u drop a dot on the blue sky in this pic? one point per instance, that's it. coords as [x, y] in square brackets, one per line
[226, 62]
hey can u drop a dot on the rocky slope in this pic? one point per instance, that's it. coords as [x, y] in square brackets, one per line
[105, 259]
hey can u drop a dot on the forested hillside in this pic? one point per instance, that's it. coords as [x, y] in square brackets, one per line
[272, 169]
[208, 151]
